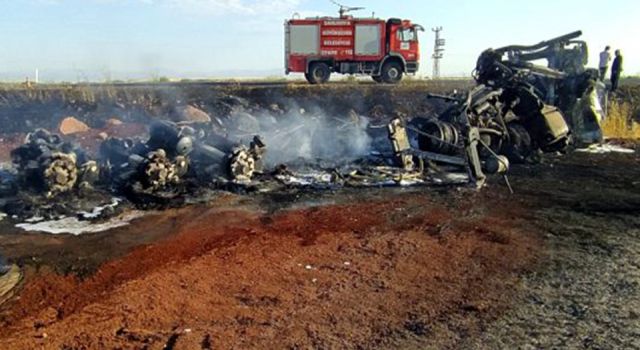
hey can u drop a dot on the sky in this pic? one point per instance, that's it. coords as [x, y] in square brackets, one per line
[102, 40]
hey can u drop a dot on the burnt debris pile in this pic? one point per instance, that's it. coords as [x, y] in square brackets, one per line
[174, 153]
[165, 165]
[262, 151]
[517, 111]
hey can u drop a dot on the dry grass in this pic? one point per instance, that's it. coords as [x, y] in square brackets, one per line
[620, 123]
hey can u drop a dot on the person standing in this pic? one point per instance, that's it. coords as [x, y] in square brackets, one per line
[605, 58]
[616, 71]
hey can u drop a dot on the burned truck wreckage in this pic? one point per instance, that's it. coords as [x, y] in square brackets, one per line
[517, 111]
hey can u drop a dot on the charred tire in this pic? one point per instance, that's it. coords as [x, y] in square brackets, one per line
[438, 137]
[392, 72]
[319, 73]
[520, 147]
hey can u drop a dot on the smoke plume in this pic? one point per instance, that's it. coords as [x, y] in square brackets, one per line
[306, 137]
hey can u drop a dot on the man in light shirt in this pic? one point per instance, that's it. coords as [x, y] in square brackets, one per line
[605, 58]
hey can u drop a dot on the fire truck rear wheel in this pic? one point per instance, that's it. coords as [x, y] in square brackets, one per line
[319, 73]
[392, 72]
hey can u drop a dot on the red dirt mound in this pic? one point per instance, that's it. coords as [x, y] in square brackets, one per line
[370, 274]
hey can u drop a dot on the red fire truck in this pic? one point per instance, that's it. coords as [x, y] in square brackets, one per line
[319, 46]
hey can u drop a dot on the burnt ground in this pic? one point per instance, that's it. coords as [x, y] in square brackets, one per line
[555, 265]
[585, 292]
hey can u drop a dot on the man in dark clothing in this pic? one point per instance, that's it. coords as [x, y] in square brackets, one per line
[616, 71]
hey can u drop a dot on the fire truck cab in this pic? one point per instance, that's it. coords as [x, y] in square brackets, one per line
[320, 46]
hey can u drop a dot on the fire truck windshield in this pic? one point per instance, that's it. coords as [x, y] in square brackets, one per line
[407, 34]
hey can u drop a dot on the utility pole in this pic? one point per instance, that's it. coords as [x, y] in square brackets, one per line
[438, 52]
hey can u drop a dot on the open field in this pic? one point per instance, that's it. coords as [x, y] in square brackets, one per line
[554, 265]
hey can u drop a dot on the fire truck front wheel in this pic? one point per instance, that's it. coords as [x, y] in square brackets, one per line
[391, 72]
[319, 73]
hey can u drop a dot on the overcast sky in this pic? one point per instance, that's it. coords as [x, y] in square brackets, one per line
[122, 39]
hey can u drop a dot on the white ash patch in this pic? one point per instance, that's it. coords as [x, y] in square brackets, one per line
[75, 226]
[451, 179]
[605, 148]
[97, 211]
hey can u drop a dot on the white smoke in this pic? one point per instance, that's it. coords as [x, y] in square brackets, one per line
[308, 137]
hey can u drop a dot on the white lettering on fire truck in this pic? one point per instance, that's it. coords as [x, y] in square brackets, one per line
[337, 23]
[348, 52]
[337, 43]
[335, 32]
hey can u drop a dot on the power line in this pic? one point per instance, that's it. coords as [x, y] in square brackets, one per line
[438, 52]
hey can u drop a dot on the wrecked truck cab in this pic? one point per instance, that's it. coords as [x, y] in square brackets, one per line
[565, 82]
